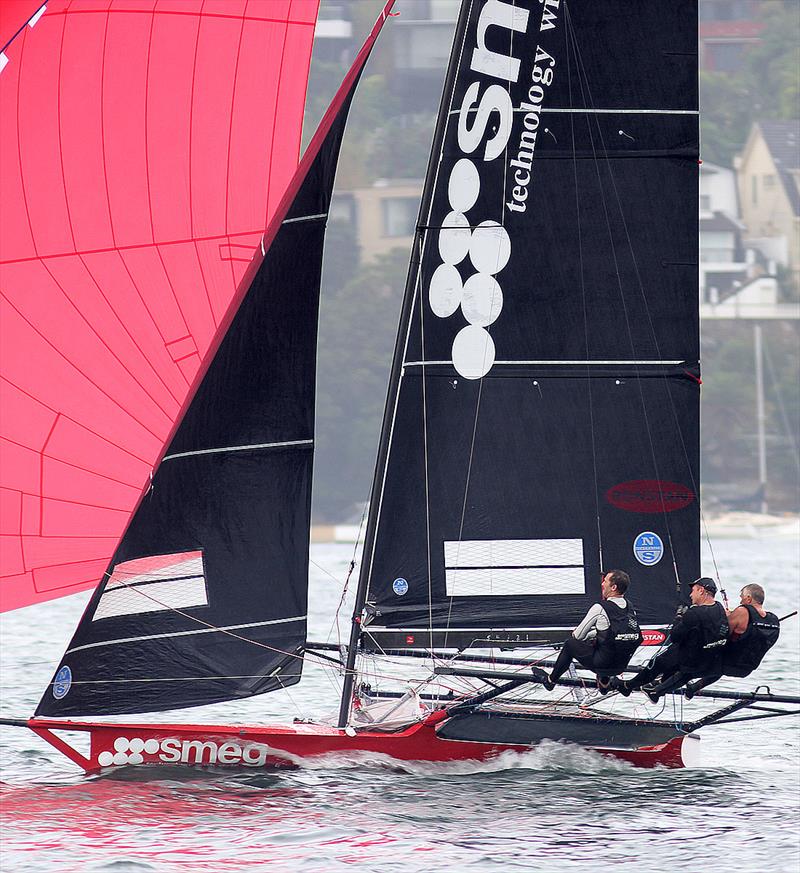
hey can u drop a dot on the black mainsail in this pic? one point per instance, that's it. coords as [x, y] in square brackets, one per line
[542, 422]
[205, 599]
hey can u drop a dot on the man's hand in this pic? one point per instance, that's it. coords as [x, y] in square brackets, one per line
[680, 612]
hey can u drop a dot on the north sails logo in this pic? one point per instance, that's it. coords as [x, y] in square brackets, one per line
[488, 245]
[174, 751]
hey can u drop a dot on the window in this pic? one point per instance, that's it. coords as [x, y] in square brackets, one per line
[705, 202]
[754, 189]
[726, 56]
[399, 215]
[769, 181]
[716, 256]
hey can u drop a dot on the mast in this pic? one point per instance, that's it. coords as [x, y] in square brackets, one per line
[397, 364]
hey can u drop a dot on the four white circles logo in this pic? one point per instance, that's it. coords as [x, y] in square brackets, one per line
[648, 549]
[128, 751]
[481, 298]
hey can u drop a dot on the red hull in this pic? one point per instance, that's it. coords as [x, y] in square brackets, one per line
[277, 746]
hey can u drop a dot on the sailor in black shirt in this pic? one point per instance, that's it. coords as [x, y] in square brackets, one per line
[697, 638]
[753, 632]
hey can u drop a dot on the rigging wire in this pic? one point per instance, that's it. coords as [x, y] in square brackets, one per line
[581, 271]
[483, 363]
[582, 77]
[779, 398]
[289, 654]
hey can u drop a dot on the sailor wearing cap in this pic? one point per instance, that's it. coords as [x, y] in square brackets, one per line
[697, 638]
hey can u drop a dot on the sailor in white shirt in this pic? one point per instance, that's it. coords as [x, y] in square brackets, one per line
[594, 643]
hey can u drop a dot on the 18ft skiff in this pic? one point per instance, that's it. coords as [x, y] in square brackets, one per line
[541, 426]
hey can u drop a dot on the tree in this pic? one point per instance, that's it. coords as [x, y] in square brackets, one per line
[767, 86]
[358, 325]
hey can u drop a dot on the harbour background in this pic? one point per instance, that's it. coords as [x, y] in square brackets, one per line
[553, 809]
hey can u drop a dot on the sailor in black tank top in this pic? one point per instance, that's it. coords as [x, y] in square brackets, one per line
[753, 632]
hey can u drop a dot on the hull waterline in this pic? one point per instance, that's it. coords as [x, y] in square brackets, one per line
[289, 746]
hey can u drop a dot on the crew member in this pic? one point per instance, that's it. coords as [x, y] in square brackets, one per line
[606, 638]
[753, 632]
[697, 638]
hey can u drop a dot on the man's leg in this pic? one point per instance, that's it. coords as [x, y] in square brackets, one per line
[693, 687]
[665, 663]
[580, 650]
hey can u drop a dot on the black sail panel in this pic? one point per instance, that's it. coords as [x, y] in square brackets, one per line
[206, 596]
[542, 423]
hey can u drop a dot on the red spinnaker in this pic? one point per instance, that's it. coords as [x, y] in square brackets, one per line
[144, 145]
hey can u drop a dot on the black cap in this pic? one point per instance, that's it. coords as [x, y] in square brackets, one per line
[705, 582]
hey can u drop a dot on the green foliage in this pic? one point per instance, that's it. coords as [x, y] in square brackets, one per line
[403, 144]
[726, 116]
[358, 324]
[729, 451]
[767, 86]
[773, 66]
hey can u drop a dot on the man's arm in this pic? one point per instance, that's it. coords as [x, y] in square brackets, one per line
[589, 623]
[683, 625]
[738, 619]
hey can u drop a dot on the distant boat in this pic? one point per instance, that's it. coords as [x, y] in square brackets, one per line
[752, 525]
[541, 426]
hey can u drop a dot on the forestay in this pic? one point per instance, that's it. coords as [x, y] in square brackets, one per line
[542, 418]
[205, 598]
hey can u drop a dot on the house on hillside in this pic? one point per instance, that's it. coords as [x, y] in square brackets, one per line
[723, 265]
[728, 29]
[736, 280]
[384, 214]
[768, 174]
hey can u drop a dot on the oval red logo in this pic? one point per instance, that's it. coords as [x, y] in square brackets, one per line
[653, 637]
[649, 495]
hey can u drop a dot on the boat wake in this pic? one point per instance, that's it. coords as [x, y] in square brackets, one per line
[547, 755]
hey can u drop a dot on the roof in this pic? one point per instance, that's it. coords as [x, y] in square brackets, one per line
[783, 141]
[719, 221]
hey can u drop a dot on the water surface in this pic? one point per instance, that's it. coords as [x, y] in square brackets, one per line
[556, 808]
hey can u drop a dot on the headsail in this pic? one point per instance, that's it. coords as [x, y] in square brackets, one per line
[542, 419]
[143, 149]
[205, 598]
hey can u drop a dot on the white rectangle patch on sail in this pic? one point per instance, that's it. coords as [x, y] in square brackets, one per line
[153, 584]
[513, 568]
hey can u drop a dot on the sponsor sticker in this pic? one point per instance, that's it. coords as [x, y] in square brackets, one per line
[62, 683]
[400, 587]
[648, 549]
[649, 496]
[171, 750]
[653, 637]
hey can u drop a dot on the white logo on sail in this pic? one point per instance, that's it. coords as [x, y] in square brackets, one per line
[487, 118]
[486, 243]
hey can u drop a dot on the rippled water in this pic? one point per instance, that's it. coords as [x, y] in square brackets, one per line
[555, 808]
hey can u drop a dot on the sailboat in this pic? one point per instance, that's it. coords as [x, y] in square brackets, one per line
[541, 426]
